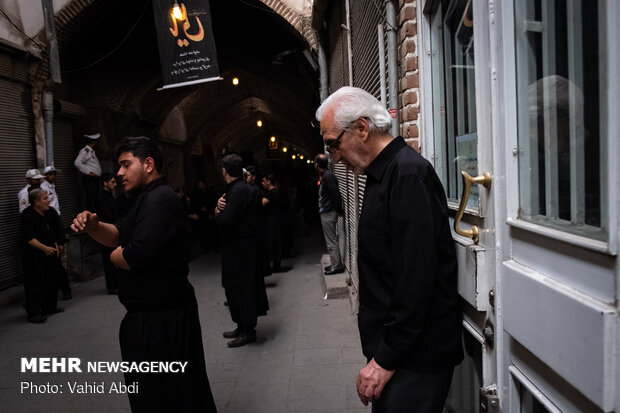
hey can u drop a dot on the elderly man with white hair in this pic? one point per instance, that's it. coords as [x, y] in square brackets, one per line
[410, 313]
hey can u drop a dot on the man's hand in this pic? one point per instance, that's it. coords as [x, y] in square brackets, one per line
[49, 251]
[85, 221]
[221, 204]
[371, 381]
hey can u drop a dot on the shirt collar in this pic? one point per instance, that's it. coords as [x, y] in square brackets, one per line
[381, 161]
[230, 184]
[154, 184]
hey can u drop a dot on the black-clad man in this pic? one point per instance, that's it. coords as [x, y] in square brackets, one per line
[410, 312]
[236, 216]
[162, 321]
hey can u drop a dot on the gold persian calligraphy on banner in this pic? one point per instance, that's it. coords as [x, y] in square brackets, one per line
[174, 30]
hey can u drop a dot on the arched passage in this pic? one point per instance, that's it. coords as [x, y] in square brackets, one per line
[263, 47]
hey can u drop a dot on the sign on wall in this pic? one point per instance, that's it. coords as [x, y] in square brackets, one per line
[186, 45]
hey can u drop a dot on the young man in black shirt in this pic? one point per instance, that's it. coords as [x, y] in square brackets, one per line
[162, 321]
[410, 313]
[236, 215]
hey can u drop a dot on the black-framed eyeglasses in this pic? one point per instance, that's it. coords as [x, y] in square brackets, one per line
[333, 145]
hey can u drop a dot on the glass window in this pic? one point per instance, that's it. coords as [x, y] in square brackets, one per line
[529, 404]
[560, 64]
[454, 95]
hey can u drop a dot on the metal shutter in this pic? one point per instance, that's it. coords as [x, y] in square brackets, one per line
[338, 60]
[66, 181]
[352, 218]
[367, 15]
[341, 174]
[17, 154]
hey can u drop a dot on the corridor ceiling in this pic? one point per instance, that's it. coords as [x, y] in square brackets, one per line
[278, 85]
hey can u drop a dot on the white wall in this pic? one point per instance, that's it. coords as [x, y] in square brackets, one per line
[303, 7]
[28, 16]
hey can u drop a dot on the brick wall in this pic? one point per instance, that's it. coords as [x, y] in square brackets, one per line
[410, 81]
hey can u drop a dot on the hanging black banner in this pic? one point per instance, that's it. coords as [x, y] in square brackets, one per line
[186, 46]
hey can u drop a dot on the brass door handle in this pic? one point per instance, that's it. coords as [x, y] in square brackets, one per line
[484, 180]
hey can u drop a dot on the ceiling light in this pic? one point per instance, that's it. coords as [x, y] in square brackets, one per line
[292, 156]
[284, 149]
[259, 123]
[235, 81]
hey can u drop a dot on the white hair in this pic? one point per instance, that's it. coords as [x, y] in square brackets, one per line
[351, 103]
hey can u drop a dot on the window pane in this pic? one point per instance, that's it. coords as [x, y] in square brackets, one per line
[529, 404]
[454, 105]
[559, 65]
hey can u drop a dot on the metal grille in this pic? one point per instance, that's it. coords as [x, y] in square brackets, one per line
[16, 156]
[341, 174]
[366, 16]
[66, 181]
[338, 54]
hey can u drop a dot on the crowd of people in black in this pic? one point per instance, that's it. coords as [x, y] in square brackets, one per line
[277, 210]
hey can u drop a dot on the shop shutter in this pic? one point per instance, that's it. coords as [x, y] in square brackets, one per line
[17, 155]
[66, 181]
[341, 174]
[366, 15]
[338, 60]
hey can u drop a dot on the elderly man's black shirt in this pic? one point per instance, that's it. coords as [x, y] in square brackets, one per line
[410, 314]
[154, 239]
[46, 228]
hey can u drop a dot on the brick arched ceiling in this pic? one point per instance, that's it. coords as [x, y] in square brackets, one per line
[254, 43]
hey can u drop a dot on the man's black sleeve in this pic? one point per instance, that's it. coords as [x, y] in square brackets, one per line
[414, 261]
[27, 228]
[236, 202]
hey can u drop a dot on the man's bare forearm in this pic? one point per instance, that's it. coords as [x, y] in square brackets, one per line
[105, 234]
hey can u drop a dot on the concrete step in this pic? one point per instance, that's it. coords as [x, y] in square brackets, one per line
[334, 286]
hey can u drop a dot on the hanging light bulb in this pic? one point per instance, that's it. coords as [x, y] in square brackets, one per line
[292, 156]
[235, 81]
[176, 11]
[301, 157]
[284, 149]
[259, 123]
[273, 139]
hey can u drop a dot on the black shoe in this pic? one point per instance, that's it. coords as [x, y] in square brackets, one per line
[334, 271]
[242, 340]
[231, 334]
[67, 295]
[329, 267]
[37, 319]
[54, 311]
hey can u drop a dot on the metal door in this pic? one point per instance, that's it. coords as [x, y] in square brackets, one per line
[541, 286]
[457, 128]
[557, 65]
